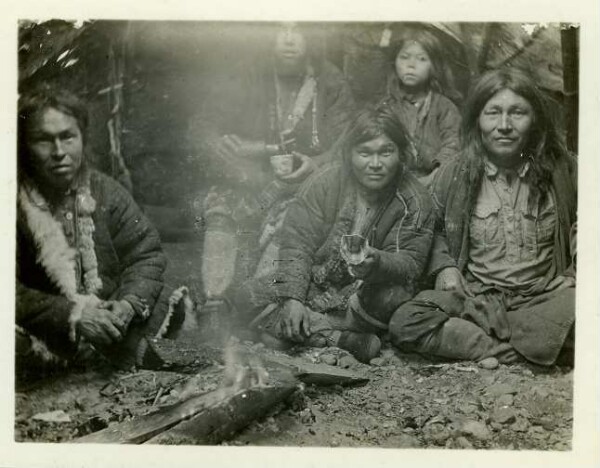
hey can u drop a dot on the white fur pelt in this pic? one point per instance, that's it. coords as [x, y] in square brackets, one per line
[54, 253]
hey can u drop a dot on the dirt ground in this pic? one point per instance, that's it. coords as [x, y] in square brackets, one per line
[409, 401]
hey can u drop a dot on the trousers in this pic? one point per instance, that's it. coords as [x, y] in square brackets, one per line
[451, 325]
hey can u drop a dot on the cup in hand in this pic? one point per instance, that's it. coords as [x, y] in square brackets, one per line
[282, 164]
[354, 248]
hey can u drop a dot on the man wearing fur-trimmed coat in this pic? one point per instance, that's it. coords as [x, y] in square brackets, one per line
[89, 264]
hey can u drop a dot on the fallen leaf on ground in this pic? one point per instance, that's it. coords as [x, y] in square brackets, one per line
[52, 416]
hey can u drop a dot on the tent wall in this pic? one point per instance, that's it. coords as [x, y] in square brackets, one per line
[159, 72]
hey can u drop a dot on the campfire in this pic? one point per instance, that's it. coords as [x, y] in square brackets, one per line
[243, 371]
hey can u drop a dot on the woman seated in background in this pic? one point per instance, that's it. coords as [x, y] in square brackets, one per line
[355, 240]
[262, 130]
[418, 92]
[505, 284]
[89, 264]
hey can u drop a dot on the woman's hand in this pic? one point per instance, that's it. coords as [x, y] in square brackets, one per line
[239, 159]
[295, 321]
[307, 167]
[451, 279]
[100, 326]
[366, 267]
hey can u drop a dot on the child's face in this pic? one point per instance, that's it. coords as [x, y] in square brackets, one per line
[413, 65]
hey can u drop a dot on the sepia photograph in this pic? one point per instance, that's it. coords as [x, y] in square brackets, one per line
[326, 234]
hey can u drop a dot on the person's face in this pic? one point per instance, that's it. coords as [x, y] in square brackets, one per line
[413, 65]
[375, 163]
[505, 123]
[290, 47]
[55, 147]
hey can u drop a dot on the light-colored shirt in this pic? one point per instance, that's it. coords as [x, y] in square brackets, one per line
[361, 215]
[511, 243]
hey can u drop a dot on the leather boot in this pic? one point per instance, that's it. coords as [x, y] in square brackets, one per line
[463, 340]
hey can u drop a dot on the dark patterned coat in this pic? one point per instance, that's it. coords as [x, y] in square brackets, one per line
[324, 210]
[130, 264]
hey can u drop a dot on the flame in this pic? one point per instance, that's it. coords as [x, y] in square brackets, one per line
[242, 370]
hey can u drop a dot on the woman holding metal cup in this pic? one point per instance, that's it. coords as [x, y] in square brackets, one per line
[261, 132]
[354, 242]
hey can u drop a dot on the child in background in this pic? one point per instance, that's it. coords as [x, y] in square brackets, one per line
[419, 92]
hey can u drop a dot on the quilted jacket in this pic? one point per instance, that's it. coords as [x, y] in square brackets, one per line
[130, 264]
[323, 211]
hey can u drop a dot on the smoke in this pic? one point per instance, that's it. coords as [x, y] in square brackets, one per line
[242, 369]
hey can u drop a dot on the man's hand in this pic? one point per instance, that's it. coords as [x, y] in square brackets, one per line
[561, 282]
[366, 267]
[451, 279]
[295, 321]
[122, 309]
[307, 167]
[100, 326]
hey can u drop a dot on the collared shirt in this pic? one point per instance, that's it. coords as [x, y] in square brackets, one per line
[361, 214]
[511, 243]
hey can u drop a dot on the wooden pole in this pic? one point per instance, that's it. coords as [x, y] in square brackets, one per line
[569, 36]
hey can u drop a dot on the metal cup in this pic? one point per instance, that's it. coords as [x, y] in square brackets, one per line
[353, 248]
[282, 164]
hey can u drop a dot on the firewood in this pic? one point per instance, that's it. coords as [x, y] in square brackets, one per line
[205, 419]
[221, 421]
[314, 374]
[178, 356]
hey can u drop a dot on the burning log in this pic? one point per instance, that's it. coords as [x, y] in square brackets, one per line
[228, 416]
[205, 419]
[253, 384]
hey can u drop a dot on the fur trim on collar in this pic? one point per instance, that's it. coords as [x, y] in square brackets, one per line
[54, 253]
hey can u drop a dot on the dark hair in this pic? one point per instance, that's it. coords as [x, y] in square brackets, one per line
[44, 97]
[371, 122]
[442, 78]
[545, 144]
